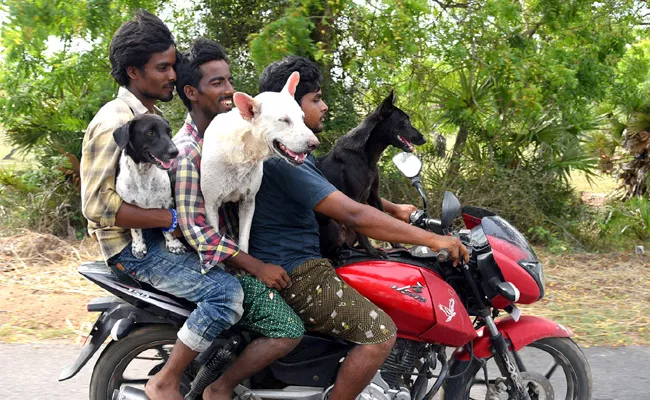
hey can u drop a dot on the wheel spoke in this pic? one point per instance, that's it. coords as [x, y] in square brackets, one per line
[551, 370]
[134, 381]
[148, 358]
[163, 353]
[482, 381]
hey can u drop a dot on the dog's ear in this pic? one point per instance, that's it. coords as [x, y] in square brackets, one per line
[292, 83]
[246, 105]
[122, 134]
[388, 104]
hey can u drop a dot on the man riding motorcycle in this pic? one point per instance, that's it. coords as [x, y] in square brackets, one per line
[285, 232]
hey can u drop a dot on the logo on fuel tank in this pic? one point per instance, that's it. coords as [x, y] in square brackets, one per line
[411, 291]
[449, 311]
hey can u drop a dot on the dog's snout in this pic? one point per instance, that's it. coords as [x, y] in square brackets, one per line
[312, 144]
[173, 152]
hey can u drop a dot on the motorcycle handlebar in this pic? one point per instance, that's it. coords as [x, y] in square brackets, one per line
[443, 255]
[418, 218]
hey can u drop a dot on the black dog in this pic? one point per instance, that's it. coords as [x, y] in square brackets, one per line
[351, 166]
[142, 178]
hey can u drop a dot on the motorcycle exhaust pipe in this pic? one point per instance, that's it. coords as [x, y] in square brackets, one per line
[129, 393]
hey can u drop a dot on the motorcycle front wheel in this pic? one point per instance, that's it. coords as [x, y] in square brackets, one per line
[132, 360]
[553, 368]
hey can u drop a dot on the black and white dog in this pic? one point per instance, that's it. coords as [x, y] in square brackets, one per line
[142, 178]
[351, 166]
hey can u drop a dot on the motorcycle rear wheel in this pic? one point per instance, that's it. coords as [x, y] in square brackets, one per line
[565, 355]
[150, 344]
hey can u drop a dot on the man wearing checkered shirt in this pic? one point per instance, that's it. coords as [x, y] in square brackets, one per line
[142, 55]
[205, 86]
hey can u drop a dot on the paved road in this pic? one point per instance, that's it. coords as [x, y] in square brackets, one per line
[29, 371]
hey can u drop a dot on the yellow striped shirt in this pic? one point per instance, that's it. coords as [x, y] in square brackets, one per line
[99, 158]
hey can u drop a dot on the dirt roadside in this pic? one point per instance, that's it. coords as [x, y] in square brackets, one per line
[42, 296]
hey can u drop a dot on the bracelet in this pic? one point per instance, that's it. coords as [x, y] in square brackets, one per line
[174, 224]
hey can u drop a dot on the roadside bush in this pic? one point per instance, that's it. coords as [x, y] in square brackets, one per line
[43, 199]
[626, 223]
[543, 207]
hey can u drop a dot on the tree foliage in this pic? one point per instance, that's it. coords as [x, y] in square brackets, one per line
[55, 72]
[513, 85]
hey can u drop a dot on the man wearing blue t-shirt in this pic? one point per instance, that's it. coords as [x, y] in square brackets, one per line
[285, 233]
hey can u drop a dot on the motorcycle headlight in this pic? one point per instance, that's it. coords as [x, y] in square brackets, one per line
[536, 270]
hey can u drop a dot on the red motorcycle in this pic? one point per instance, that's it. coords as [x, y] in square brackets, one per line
[436, 307]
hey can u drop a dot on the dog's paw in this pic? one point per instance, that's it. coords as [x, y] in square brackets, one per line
[175, 246]
[139, 250]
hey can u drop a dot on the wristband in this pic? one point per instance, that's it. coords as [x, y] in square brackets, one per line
[174, 224]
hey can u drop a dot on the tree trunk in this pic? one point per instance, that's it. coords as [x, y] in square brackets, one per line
[454, 164]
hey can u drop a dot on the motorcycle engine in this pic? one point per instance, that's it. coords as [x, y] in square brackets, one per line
[389, 383]
[377, 390]
[401, 361]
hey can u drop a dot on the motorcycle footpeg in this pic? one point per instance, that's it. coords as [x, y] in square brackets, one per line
[129, 393]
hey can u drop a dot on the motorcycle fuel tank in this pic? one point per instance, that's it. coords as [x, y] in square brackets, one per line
[422, 305]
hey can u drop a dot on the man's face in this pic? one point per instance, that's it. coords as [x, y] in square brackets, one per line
[314, 107]
[215, 91]
[157, 78]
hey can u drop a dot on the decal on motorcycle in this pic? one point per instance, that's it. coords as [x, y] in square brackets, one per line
[411, 291]
[449, 311]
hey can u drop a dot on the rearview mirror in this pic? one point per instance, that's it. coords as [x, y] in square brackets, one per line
[408, 164]
[450, 209]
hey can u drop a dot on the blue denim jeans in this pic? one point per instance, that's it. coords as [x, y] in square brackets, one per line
[217, 294]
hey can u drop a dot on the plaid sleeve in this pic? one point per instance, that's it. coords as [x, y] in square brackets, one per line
[213, 247]
[99, 200]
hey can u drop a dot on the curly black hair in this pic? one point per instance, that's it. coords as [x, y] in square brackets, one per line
[134, 43]
[187, 65]
[275, 76]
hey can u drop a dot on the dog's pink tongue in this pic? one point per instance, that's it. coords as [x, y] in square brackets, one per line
[164, 164]
[298, 157]
[406, 142]
[167, 164]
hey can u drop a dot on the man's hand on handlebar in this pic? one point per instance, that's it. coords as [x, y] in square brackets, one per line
[403, 212]
[453, 245]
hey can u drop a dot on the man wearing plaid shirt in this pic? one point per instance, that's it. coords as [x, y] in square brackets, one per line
[205, 86]
[142, 55]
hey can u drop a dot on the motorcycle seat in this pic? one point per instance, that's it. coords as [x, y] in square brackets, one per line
[112, 274]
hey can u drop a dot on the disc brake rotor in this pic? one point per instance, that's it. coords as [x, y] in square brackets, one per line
[538, 387]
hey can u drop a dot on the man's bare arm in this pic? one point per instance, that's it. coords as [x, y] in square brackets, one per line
[133, 217]
[399, 211]
[375, 224]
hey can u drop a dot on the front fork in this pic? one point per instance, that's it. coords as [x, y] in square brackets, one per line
[502, 356]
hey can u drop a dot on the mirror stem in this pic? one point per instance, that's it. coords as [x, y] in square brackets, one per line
[418, 186]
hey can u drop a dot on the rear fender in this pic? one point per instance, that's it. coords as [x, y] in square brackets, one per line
[520, 334]
[113, 310]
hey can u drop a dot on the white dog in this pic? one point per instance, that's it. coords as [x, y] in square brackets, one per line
[236, 144]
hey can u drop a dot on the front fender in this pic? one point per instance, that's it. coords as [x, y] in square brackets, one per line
[527, 330]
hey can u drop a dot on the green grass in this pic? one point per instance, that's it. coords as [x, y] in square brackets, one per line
[600, 183]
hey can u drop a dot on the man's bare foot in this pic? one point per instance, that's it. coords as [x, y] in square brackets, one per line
[213, 392]
[163, 388]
